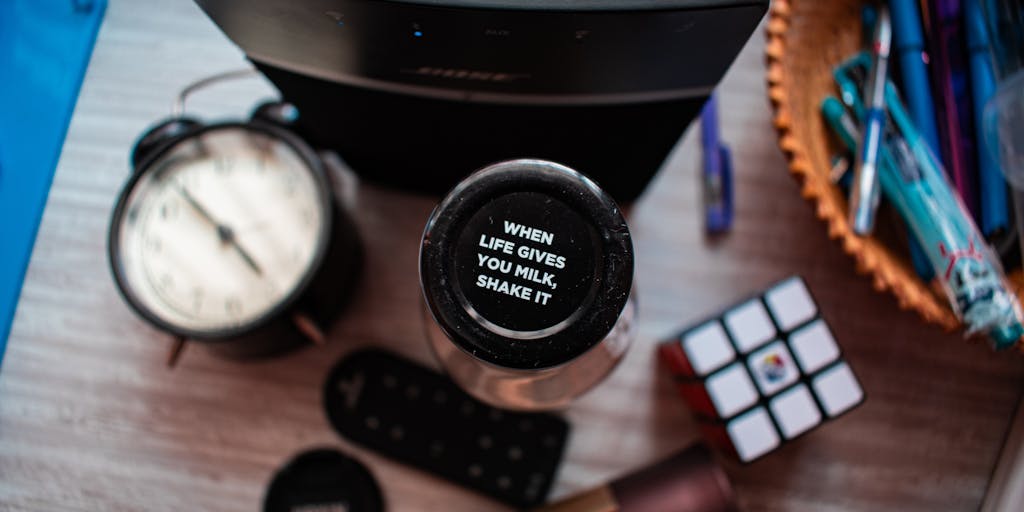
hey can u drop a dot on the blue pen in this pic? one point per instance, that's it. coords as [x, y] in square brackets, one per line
[717, 171]
[865, 194]
[908, 43]
[993, 209]
[849, 77]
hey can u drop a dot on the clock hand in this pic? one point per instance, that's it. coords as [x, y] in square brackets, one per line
[199, 208]
[227, 235]
[224, 232]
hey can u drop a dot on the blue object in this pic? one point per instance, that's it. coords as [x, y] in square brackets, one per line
[971, 275]
[908, 39]
[850, 89]
[718, 210]
[868, 18]
[914, 181]
[993, 210]
[865, 193]
[44, 49]
[909, 45]
[1005, 23]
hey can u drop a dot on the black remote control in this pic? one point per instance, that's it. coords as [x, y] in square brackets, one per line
[419, 417]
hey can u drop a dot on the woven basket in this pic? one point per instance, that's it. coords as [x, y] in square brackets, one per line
[806, 40]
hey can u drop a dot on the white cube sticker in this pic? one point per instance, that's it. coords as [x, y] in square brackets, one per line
[731, 390]
[707, 348]
[753, 434]
[794, 411]
[837, 389]
[750, 325]
[773, 368]
[790, 303]
[814, 346]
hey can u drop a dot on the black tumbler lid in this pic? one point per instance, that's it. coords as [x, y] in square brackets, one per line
[526, 264]
[323, 479]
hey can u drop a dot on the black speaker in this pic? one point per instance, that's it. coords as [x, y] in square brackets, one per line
[419, 93]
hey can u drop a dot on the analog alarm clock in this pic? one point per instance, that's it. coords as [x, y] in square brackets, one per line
[229, 234]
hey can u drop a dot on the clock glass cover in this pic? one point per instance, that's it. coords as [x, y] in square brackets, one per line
[220, 231]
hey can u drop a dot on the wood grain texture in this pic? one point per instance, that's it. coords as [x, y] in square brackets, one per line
[91, 420]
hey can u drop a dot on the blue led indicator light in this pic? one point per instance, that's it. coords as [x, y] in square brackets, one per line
[418, 33]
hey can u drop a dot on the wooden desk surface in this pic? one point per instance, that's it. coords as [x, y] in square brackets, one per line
[90, 419]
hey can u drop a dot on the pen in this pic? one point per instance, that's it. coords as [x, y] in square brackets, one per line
[865, 194]
[944, 16]
[850, 76]
[908, 43]
[717, 171]
[993, 208]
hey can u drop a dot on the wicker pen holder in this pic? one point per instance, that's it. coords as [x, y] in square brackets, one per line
[806, 40]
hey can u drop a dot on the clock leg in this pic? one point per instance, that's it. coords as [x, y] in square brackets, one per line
[177, 347]
[309, 328]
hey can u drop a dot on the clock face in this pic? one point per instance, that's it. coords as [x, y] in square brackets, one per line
[220, 231]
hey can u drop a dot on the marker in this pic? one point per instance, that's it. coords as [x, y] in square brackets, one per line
[945, 50]
[993, 209]
[908, 43]
[971, 274]
[865, 194]
[718, 211]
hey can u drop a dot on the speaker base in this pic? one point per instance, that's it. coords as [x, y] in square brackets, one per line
[428, 145]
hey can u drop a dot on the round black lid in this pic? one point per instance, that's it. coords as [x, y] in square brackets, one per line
[526, 264]
[326, 479]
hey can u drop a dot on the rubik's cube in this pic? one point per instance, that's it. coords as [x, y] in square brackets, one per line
[763, 372]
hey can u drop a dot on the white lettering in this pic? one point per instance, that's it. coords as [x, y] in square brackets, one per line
[502, 286]
[534, 234]
[547, 258]
[496, 244]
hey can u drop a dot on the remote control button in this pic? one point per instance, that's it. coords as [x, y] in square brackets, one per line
[515, 453]
[436, 448]
[397, 433]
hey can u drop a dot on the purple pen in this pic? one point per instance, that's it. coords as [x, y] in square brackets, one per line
[948, 71]
[865, 194]
[717, 171]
